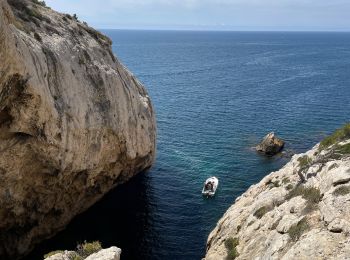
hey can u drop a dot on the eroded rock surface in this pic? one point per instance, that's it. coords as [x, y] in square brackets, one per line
[299, 212]
[74, 122]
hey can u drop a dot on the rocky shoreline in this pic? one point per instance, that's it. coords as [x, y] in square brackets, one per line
[299, 212]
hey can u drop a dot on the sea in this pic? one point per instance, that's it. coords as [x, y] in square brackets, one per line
[216, 95]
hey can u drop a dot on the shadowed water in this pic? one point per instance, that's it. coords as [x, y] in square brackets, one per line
[216, 94]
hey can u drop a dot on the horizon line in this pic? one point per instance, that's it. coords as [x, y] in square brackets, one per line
[218, 30]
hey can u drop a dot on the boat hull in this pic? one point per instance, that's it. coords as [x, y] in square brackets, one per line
[210, 186]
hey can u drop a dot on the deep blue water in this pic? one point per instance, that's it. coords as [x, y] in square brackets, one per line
[216, 94]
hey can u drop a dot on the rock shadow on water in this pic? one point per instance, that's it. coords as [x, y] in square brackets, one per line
[121, 218]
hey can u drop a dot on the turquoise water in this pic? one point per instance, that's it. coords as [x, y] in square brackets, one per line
[216, 94]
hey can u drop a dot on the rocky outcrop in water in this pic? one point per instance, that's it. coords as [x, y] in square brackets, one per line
[74, 122]
[299, 212]
[270, 145]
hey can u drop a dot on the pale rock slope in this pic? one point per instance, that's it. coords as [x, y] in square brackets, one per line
[74, 122]
[112, 253]
[299, 212]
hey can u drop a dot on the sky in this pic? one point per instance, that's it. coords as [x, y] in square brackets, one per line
[255, 15]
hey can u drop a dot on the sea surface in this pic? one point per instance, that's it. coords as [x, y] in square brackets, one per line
[216, 94]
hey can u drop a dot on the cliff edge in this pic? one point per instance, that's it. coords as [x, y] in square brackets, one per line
[299, 212]
[74, 122]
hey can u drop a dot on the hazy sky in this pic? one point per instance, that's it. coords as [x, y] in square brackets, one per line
[211, 14]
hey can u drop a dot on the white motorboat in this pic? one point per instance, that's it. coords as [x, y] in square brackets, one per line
[210, 186]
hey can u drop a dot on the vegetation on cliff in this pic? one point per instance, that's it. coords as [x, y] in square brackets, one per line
[83, 251]
[338, 136]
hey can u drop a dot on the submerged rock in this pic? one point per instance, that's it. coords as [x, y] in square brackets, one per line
[270, 145]
[74, 122]
[299, 212]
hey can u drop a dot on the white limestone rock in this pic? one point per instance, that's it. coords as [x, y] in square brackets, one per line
[112, 253]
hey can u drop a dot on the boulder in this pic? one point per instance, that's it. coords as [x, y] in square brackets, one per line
[270, 145]
[112, 253]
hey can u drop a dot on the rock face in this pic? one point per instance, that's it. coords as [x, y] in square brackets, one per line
[74, 122]
[299, 212]
[112, 253]
[270, 145]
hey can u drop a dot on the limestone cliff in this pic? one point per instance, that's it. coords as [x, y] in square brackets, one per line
[74, 122]
[299, 212]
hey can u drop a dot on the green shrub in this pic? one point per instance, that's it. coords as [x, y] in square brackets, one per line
[298, 229]
[231, 243]
[76, 256]
[250, 223]
[304, 161]
[53, 253]
[42, 3]
[343, 149]
[231, 246]
[338, 136]
[285, 180]
[32, 12]
[26, 13]
[86, 249]
[341, 191]
[82, 252]
[271, 184]
[101, 38]
[276, 183]
[310, 194]
[262, 211]
[289, 186]
[81, 61]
